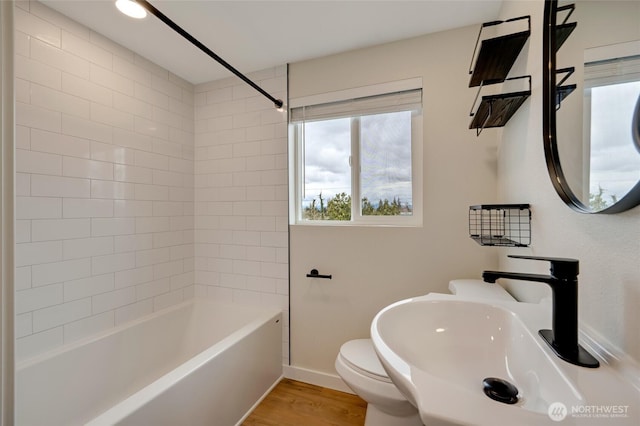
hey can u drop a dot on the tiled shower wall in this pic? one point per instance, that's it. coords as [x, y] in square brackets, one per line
[241, 225]
[104, 183]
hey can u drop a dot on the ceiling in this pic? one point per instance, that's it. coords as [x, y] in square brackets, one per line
[258, 34]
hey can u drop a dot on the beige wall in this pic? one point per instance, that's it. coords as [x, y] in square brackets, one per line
[375, 266]
[608, 246]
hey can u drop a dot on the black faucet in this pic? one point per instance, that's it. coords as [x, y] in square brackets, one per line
[563, 280]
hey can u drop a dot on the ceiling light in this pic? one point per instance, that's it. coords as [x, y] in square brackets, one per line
[131, 8]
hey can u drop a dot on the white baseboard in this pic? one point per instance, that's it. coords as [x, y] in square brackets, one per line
[318, 378]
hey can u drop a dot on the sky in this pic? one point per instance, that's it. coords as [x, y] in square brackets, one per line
[615, 160]
[385, 157]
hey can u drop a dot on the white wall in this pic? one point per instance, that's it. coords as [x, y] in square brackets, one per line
[375, 266]
[104, 184]
[608, 246]
[241, 228]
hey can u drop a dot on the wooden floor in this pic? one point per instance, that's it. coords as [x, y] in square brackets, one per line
[293, 403]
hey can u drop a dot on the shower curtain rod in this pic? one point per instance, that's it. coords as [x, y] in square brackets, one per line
[144, 3]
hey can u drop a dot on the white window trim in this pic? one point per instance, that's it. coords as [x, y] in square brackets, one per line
[296, 157]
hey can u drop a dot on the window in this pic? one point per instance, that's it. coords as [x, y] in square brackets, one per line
[611, 90]
[358, 161]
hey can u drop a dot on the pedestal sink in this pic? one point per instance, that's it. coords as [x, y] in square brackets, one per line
[438, 349]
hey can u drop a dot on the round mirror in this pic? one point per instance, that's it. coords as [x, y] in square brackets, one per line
[591, 57]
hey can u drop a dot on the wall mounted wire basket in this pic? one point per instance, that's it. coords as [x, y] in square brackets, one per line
[506, 225]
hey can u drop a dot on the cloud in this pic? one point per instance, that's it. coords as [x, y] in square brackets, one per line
[615, 162]
[385, 153]
[326, 157]
[386, 156]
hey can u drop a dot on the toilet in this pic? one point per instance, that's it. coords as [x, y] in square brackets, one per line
[360, 368]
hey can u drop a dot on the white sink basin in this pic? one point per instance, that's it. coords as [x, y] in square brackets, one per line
[438, 349]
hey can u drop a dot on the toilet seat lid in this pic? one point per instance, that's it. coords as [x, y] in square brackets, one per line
[362, 357]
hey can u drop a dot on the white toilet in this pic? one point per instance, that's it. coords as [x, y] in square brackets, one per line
[359, 367]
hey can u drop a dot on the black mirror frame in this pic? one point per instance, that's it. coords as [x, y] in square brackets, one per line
[632, 198]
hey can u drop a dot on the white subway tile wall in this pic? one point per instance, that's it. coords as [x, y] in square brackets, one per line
[105, 162]
[115, 218]
[241, 224]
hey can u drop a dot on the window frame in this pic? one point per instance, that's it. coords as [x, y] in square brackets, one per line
[296, 159]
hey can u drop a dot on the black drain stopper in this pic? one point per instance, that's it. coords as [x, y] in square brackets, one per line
[500, 390]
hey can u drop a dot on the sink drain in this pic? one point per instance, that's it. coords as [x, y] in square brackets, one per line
[500, 390]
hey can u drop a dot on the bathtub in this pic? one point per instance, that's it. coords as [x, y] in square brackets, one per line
[198, 363]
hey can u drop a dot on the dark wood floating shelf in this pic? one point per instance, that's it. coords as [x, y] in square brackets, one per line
[562, 92]
[496, 110]
[492, 64]
[563, 31]
[496, 57]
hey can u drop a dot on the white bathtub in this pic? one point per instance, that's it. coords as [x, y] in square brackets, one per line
[198, 363]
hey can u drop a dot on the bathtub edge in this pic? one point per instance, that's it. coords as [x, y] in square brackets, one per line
[248, 413]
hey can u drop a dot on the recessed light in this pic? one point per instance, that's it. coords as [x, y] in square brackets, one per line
[131, 8]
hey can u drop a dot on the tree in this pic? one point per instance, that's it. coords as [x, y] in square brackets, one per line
[597, 201]
[384, 208]
[311, 212]
[367, 207]
[339, 207]
[315, 211]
